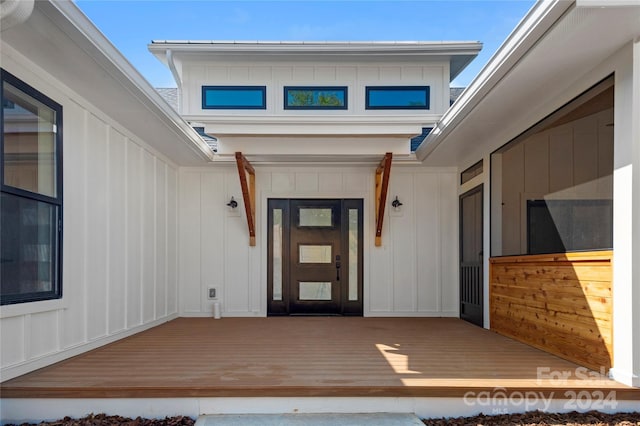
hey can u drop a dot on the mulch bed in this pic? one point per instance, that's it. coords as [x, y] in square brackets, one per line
[538, 418]
[104, 420]
[532, 418]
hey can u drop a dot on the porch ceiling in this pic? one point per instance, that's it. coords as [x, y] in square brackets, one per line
[307, 356]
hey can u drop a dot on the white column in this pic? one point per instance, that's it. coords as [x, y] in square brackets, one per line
[626, 231]
[635, 142]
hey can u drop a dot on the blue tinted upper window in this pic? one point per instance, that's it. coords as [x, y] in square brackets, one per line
[397, 97]
[234, 97]
[315, 97]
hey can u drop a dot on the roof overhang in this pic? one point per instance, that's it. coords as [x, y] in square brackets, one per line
[314, 134]
[553, 46]
[459, 54]
[60, 39]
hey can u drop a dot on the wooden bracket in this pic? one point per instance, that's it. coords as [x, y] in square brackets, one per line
[248, 193]
[382, 185]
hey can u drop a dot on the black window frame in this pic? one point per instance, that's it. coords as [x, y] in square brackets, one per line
[471, 172]
[426, 89]
[343, 89]
[261, 89]
[57, 201]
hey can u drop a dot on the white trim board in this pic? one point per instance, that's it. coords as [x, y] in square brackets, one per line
[35, 410]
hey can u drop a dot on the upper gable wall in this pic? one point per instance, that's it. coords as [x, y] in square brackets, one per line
[275, 75]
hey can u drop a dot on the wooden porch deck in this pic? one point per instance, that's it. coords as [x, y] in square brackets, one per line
[308, 356]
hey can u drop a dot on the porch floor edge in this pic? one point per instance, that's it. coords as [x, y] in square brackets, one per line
[621, 392]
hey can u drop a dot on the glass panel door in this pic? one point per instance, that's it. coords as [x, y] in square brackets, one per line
[315, 257]
[314, 263]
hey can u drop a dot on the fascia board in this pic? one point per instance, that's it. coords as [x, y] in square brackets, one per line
[542, 16]
[437, 48]
[409, 126]
[321, 160]
[333, 129]
[242, 120]
[80, 29]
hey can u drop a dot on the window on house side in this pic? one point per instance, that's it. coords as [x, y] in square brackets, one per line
[31, 194]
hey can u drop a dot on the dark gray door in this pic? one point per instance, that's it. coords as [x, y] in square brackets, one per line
[314, 257]
[471, 276]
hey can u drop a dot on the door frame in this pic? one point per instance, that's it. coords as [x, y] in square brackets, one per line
[281, 307]
[480, 294]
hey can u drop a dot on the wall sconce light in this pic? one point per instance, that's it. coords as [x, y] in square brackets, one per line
[232, 203]
[396, 203]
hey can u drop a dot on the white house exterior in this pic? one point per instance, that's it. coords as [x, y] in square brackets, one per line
[321, 154]
[558, 52]
[147, 232]
[119, 267]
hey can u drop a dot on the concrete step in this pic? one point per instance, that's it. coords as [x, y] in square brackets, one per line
[322, 419]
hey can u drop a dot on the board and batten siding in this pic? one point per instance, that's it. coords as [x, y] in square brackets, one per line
[119, 240]
[414, 273]
[560, 303]
[276, 75]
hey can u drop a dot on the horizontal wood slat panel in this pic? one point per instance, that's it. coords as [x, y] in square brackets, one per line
[561, 303]
[561, 272]
[556, 341]
[552, 324]
[563, 300]
[569, 287]
[307, 356]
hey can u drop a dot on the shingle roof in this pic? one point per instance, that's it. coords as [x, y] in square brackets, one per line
[417, 140]
[454, 93]
[210, 140]
[170, 94]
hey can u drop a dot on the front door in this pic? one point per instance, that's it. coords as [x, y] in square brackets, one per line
[315, 257]
[471, 276]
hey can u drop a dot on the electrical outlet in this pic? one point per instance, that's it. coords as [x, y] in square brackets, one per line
[212, 293]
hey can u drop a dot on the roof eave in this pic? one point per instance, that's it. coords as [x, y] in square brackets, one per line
[531, 28]
[78, 27]
[458, 53]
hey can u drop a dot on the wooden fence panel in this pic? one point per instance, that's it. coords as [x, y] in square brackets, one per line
[560, 303]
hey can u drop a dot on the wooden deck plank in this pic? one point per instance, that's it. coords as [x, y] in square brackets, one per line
[305, 356]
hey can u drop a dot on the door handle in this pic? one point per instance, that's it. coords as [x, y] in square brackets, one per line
[338, 265]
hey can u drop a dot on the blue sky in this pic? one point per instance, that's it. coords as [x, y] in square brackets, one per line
[131, 25]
